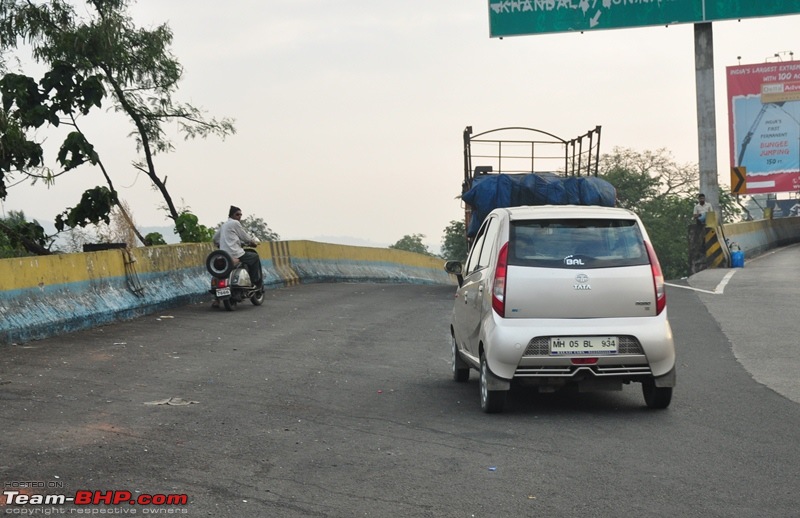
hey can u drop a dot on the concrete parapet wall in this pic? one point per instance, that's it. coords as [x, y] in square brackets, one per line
[757, 237]
[708, 249]
[322, 262]
[49, 295]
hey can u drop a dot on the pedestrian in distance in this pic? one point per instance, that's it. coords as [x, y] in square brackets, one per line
[701, 209]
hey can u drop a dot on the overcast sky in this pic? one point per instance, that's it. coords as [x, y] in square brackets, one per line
[349, 114]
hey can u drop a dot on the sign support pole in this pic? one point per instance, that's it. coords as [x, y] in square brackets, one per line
[706, 119]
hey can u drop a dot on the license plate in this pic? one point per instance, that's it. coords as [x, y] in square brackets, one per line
[224, 292]
[583, 345]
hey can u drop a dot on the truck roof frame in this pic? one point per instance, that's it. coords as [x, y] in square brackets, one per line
[575, 157]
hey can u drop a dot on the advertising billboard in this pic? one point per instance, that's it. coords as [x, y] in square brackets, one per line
[764, 125]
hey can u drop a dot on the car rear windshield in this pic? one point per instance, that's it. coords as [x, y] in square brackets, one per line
[576, 243]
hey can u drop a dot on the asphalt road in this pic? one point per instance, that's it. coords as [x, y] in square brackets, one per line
[335, 400]
[758, 308]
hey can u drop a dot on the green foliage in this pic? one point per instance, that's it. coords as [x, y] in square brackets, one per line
[257, 227]
[667, 219]
[31, 109]
[662, 193]
[19, 237]
[67, 90]
[190, 230]
[454, 242]
[76, 150]
[632, 187]
[95, 206]
[670, 177]
[62, 90]
[154, 238]
[17, 152]
[730, 208]
[28, 105]
[412, 243]
[91, 53]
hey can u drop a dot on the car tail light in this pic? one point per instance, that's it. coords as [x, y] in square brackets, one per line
[658, 279]
[584, 361]
[499, 284]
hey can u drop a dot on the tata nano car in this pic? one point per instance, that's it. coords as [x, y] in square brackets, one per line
[562, 297]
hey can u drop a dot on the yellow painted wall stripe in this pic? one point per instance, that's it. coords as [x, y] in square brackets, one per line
[41, 271]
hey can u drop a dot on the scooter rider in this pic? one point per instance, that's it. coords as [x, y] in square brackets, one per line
[230, 236]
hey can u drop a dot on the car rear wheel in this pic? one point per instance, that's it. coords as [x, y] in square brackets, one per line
[460, 367]
[492, 401]
[656, 397]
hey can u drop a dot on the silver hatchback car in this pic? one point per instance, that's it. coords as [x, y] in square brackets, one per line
[559, 297]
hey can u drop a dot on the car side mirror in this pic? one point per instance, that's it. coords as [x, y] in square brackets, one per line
[455, 268]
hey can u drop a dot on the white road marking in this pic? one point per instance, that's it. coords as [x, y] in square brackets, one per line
[719, 290]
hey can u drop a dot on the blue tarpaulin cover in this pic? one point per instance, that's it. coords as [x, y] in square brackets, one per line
[492, 191]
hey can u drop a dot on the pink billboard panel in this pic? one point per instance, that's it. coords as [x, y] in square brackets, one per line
[764, 125]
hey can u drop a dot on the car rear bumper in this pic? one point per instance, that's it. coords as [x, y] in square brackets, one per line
[506, 340]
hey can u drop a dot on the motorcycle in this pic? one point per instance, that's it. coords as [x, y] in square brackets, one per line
[231, 283]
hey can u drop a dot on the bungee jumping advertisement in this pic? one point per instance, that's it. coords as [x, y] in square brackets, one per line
[764, 125]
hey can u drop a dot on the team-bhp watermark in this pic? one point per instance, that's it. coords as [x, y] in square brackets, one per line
[18, 498]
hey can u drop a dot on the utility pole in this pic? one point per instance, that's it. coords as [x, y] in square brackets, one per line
[706, 119]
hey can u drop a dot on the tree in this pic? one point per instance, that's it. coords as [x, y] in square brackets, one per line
[412, 243]
[632, 184]
[258, 227]
[454, 242]
[657, 172]
[730, 208]
[72, 240]
[95, 206]
[89, 60]
[19, 237]
[191, 231]
[658, 190]
[122, 228]
[155, 238]
[663, 193]
[119, 229]
[667, 219]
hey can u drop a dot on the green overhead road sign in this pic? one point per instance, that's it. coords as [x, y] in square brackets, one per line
[518, 17]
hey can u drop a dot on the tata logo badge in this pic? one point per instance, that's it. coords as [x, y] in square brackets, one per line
[582, 282]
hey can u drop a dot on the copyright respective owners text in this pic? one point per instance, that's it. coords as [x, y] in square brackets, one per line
[47, 498]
